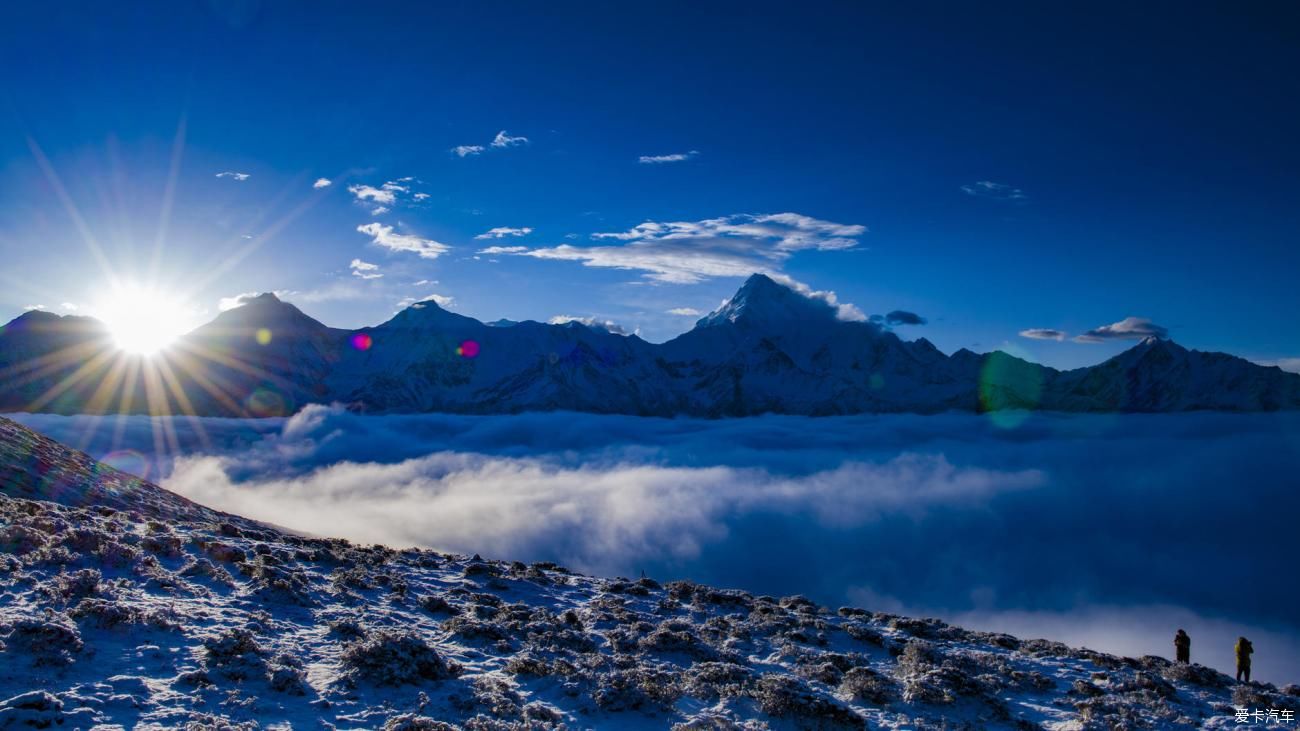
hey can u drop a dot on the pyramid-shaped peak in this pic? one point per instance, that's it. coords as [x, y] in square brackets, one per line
[1155, 342]
[1149, 347]
[265, 310]
[762, 300]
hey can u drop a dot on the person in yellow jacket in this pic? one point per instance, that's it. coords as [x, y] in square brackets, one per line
[1244, 650]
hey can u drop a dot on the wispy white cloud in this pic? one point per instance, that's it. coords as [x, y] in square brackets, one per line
[685, 312]
[69, 306]
[685, 252]
[503, 231]
[381, 195]
[29, 308]
[996, 191]
[503, 250]
[1042, 333]
[382, 199]
[467, 150]
[235, 176]
[1291, 365]
[503, 139]
[364, 269]
[593, 322]
[385, 236]
[843, 310]
[660, 159]
[1130, 328]
[322, 183]
[239, 300]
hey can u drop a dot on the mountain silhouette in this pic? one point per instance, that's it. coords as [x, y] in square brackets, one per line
[768, 349]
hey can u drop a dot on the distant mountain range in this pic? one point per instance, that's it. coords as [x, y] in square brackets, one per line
[767, 349]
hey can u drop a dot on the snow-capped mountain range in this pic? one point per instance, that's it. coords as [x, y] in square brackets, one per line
[768, 349]
[123, 605]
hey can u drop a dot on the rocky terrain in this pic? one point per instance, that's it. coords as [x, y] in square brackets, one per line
[769, 349]
[124, 606]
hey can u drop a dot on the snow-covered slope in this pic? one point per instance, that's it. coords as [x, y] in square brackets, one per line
[39, 468]
[161, 614]
[767, 349]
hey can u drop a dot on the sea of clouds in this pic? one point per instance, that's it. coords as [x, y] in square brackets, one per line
[1104, 531]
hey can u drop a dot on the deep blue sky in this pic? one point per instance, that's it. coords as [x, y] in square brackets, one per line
[1144, 161]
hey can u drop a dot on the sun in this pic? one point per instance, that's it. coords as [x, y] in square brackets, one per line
[143, 320]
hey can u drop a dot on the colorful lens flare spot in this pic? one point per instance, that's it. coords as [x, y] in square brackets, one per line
[263, 336]
[468, 349]
[362, 341]
[266, 402]
[1010, 388]
[128, 461]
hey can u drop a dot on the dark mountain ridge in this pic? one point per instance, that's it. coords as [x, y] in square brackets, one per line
[769, 349]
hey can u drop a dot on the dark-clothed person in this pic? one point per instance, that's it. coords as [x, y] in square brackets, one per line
[1183, 647]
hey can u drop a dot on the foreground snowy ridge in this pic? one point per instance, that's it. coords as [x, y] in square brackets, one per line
[161, 614]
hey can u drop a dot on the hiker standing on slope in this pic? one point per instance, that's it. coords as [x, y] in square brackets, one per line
[1244, 650]
[1182, 647]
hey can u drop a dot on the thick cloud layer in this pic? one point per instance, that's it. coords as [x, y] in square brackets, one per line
[1110, 531]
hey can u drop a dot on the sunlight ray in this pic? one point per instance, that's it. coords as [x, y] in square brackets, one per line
[100, 400]
[197, 372]
[21, 374]
[215, 272]
[69, 381]
[87, 235]
[182, 400]
[169, 197]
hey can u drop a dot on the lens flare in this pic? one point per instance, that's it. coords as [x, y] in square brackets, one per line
[468, 349]
[263, 336]
[1009, 389]
[266, 401]
[128, 461]
[362, 341]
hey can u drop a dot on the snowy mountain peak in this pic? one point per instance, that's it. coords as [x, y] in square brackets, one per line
[264, 310]
[428, 313]
[1151, 346]
[762, 301]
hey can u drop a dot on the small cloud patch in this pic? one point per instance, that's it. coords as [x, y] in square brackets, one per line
[903, 317]
[364, 269]
[1130, 328]
[661, 159]
[1043, 333]
[503, 231]
[995, 191]
[385, 236]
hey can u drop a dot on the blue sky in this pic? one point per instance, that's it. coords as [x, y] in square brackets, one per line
[993, 168]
